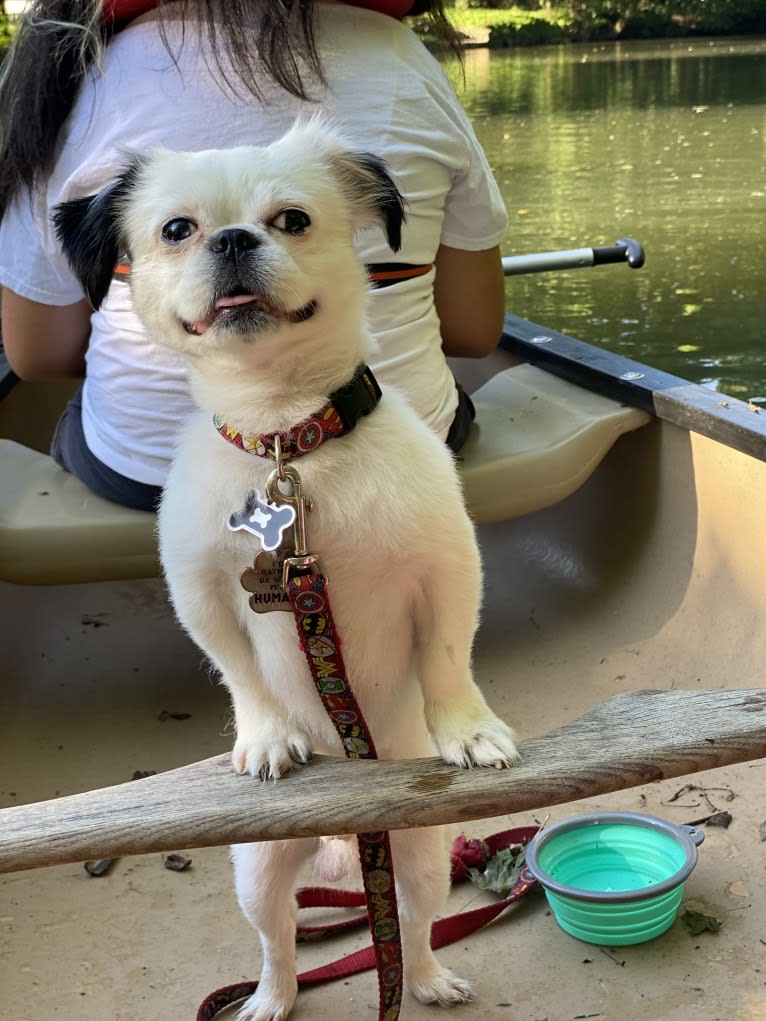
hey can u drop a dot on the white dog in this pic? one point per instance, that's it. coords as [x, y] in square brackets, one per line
[243, 260]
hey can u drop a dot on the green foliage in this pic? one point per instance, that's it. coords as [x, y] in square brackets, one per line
[501, 872]
[652, 18]
[534, 22]
[6, 32]
[505, 5]
[696, 922]
[534, 32]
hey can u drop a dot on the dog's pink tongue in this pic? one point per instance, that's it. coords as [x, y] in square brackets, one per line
[238, 299]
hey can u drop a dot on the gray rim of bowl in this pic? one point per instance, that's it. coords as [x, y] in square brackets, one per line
[688, 837]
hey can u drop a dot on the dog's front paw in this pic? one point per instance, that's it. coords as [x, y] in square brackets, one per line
[270, 753]
[272, 1001]
[473, 739]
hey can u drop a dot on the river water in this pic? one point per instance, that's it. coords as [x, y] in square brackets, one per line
[663, 141]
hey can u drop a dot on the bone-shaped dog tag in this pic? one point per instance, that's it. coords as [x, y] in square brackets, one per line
[261, 517]
[264, 581]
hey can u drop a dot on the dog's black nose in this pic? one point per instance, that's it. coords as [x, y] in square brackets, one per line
[233, 241]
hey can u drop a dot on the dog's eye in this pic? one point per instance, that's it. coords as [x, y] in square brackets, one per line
[292, 221]
[178, 230]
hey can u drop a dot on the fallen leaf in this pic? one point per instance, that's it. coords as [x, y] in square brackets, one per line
[723, 819]
[502, 871]
[93, 621]
[696, 922]
[738, 889]
[98, 868]
[719, 819]
[176, 862]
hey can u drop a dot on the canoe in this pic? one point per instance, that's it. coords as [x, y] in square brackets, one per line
[623, 635]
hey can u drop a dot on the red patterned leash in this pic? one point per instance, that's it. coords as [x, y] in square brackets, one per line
[306, 589]
[465, 855]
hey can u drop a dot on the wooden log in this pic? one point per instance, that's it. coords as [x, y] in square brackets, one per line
[625, 741]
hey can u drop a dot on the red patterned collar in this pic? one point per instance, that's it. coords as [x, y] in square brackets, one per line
[338, 417]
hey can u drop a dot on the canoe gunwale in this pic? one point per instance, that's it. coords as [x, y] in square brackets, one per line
[728, 420]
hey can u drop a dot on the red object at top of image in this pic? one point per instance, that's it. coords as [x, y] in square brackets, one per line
[121, 10]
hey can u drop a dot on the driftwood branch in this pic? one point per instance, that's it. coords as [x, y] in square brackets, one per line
[624, 742]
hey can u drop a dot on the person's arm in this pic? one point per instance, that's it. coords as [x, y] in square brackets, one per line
[45, 342]
[469, 292]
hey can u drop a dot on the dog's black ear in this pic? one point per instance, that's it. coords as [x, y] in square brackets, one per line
[90, 233]
[372, 186]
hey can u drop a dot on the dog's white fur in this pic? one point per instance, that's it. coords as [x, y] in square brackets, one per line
[388, 519]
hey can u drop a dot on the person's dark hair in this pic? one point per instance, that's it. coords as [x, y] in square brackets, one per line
[57, 41]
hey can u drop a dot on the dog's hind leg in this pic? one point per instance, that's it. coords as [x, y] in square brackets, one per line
[265, 877]
[421, 866]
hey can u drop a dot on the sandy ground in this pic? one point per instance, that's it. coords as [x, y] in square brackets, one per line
[90, 671]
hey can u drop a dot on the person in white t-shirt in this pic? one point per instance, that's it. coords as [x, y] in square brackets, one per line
[221, 74]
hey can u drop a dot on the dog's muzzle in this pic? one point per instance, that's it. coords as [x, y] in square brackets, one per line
[244, 305]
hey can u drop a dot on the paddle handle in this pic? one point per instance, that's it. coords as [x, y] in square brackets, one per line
[624, 250]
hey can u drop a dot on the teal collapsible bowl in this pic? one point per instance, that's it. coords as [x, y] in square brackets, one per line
[614, 878]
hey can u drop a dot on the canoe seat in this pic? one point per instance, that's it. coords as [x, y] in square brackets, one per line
[537, 438]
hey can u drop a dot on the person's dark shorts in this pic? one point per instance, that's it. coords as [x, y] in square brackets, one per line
[461, 423]
[70, 451]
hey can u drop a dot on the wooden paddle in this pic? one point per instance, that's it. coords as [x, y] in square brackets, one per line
[626, 741]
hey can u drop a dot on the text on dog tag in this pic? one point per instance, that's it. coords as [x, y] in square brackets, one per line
[264, 582]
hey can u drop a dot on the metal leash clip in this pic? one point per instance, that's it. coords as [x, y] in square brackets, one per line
[302, 561]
